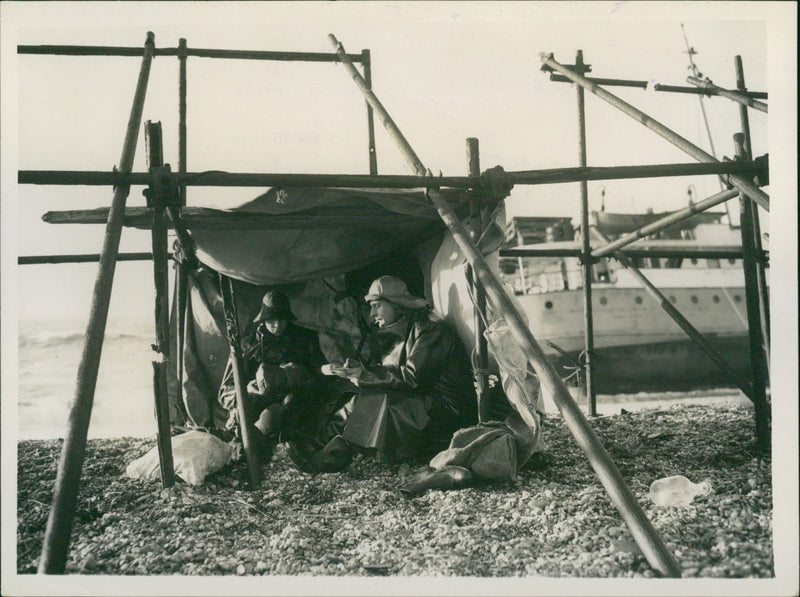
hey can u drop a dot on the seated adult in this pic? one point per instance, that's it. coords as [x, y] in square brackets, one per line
[282, 370]
[412, 402]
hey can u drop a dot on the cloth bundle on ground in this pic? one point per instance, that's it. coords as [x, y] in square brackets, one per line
[195, 455]
[493, 450]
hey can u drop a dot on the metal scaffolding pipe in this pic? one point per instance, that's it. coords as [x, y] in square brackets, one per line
[696, 91]
[744, 185]
[65, 493]
[642, 530]
[731, 95]
[665, 222]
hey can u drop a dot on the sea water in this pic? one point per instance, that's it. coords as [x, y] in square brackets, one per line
[49, 355]
[50, 352]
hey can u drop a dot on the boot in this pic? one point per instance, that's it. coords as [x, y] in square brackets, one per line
[335, 456]
[448, 477]
[269, 422]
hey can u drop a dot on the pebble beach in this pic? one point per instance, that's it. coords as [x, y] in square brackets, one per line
[554, 520]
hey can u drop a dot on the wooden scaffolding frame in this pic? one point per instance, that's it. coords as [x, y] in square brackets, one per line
[167, 196]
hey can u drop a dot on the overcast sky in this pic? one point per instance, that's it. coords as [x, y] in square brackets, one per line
[443, 71]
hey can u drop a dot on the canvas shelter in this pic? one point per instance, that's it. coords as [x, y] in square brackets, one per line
[323, 247]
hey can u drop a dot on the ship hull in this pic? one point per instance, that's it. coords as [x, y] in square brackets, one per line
[676, 365]
[637, 346]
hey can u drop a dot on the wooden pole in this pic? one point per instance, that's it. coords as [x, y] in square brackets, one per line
[65, 494]
[246, 179]
[181, 273]
[366, 64]
[602, 81]
[479, 307]
[80, 258]
[720, 252]
[744, 185]
[182, 80]
[696, 91]
[239, 381]
[158, 196]
[731, 95]
[642, 530]
[390, 181]
[75, 50]
[763, 291]
[684, 324]
[664, 222]
[206, 218]
[761, 407]
[587, 264]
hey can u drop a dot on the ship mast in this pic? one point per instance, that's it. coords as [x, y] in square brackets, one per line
[690, 51]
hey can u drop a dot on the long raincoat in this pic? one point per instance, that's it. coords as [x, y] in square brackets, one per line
[420, 394]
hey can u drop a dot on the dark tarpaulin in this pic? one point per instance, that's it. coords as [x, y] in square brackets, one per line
[317, 233]
[316, 237]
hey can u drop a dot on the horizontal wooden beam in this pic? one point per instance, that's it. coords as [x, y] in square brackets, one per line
[719, 252]
[559, 175]
[75, 50]
[244, 179]
[699, 91]
[81, 258]
[203, 218]
[391, 181]
[737, 96]
[601, 81]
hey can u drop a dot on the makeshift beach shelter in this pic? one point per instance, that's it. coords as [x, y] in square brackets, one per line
[436, 236]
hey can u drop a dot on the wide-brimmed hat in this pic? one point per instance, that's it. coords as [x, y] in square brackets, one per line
[275, 306]
[395, 291]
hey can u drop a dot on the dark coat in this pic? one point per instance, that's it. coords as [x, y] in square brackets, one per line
[420, 394]
[295, 356]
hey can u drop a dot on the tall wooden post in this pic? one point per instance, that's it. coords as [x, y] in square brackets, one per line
[479, 308]
[761, 274]
[586, 256]
[158, 195]
[181, 273]
[239, 381]
[65, 493]
[366, 64]
[761, 407]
